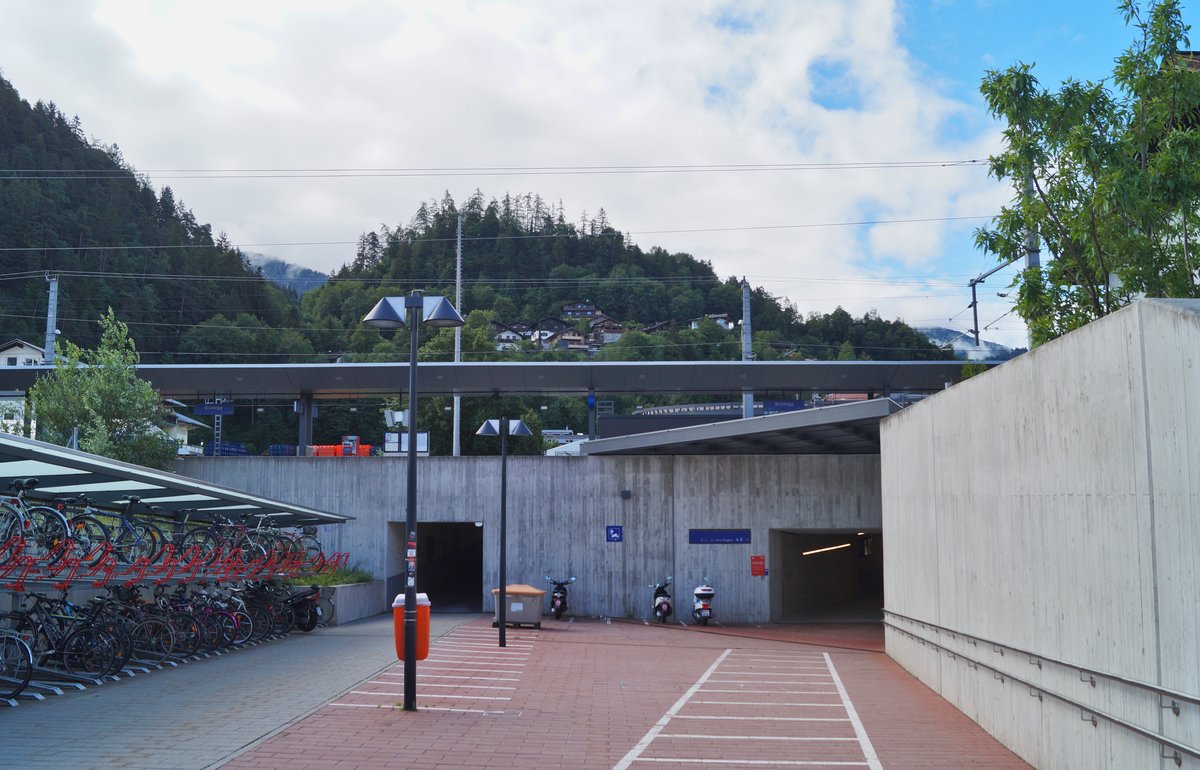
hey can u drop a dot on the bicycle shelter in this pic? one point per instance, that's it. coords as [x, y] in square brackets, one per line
[65, 474]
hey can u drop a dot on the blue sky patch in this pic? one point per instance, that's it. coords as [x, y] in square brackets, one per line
[833, 86]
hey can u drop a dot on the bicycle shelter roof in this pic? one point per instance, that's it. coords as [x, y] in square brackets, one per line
[63, 473]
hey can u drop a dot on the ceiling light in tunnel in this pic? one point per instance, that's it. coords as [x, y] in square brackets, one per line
[823, 550]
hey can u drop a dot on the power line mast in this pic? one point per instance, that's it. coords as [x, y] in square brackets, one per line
[51, 320]
[747, 349]
[458, 340]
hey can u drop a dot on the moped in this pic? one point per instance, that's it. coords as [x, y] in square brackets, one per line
[558, 596]
[662, 600]
[702, 609]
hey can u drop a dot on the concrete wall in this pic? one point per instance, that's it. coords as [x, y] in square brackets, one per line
[558, 508]
[1052, 506]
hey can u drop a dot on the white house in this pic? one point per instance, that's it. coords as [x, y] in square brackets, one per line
[18, 352]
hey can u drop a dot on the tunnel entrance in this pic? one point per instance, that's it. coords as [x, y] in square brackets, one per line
[826, 576]
[450, 565]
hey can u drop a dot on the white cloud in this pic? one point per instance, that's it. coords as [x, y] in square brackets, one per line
[369, 84]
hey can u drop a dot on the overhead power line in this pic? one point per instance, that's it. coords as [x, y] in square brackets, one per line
[529, 237]
[388, 173]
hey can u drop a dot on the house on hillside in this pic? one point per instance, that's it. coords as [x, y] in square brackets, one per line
[606, 331]
[661, 326]
[567, 339]
[580, 310]
[721, 319]
[506, 337]
[18, 352]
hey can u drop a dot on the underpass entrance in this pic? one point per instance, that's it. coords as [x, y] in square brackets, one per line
[450, 565]
[824, 576]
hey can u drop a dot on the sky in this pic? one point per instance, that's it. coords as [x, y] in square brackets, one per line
[829, 151]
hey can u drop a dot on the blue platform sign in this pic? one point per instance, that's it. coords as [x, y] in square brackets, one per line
[718, 536]
[213, 409]
[614, 533]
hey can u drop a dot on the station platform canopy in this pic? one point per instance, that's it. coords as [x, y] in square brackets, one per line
[196, 382]
[66, 473]
[841, 429]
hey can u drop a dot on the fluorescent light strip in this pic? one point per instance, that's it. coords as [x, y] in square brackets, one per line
[823, 550]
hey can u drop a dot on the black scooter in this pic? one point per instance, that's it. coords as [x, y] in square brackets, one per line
[662, 601]
[558, 596]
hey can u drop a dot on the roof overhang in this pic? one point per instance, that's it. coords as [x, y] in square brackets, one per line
[842, 429]
[66, 472]
[192, 382]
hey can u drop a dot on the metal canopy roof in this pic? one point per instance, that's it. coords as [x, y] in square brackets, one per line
[843, 429]
[359, 380]
[63, 472]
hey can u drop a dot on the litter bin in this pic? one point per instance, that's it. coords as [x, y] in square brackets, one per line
[524, 606]
[422, 625]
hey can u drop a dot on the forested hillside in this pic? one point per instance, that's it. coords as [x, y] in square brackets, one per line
[72, 206]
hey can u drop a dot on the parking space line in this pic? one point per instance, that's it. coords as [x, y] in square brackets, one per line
[464, 686]
[400, 694]
[763, 703]
[864, 742]
[762, 719]
[473, 678]
[773, 692]
[764, 762]
[751, 737]
[632, 755]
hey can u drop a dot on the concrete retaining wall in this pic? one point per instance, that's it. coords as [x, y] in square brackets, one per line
[354, 601]
[1050, 509]
[559, 507]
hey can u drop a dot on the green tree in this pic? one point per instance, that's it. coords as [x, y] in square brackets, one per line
[1108, 179]
[97, 391]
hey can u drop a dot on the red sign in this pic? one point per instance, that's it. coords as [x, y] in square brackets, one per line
[758, 566]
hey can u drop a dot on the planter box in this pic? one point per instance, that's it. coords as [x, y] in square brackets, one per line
[354, 601]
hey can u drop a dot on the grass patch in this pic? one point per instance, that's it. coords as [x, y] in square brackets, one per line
[336, 577]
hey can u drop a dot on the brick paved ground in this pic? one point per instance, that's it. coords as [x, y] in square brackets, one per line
[592, 694]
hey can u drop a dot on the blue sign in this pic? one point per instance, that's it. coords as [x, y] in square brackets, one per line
[224, 409]
[613, 533]
[718, 536]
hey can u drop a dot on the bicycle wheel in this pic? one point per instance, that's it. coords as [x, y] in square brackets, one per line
[325, 610]
[88, 539]
[139, 540]
[153, 641]
[23, 626]
[16, 665]
[189, 635]
[207, 543]
[89, 651]
[261, 622]
[51, 533]
[244, 626]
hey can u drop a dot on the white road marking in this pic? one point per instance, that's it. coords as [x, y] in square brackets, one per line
[465, 686]
[464, 663]
[766, 762]
[772, 692]
[759, 681]
[474, 678]
[762, 719]
[749, 737]
[644, 743]
[864, 742]
[762, 703]
[460, 697]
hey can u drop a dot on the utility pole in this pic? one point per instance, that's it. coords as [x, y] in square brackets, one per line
[747, 350]
[51, 320]
[458, 341]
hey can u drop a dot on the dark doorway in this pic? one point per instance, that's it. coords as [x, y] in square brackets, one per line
[450, 566]
[826, 577]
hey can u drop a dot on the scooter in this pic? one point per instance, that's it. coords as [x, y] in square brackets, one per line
[702, 609]
[662, 601]
[558, 596]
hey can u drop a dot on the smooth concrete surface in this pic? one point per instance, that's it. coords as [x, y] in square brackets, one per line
[560, 508]
[355, 601]
[202, 713]
[1052, 506]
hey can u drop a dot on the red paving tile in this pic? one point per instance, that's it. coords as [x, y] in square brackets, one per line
[595, 695]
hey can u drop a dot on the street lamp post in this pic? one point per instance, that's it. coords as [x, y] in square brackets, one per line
[503, 428]
[389, 313]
